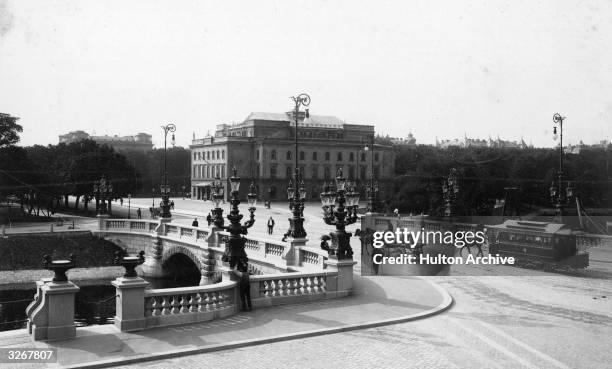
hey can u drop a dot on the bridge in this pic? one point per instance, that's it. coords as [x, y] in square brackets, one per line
[169, 245]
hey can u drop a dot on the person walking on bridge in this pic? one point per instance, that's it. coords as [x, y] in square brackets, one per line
[270, 225]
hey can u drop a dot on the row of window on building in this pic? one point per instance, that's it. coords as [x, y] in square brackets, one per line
[208, 155]
[211, 171]
[208, 171]
[315, 173]
[315, 156]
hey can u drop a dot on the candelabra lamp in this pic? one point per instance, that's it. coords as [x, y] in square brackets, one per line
[217, 193]
[561, 197]
[296, 197]
[234, 246]
[340, 209]
[102, 190]
[450, 191]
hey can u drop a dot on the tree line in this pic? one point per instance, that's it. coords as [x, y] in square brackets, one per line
[487, 174]
[41, 178]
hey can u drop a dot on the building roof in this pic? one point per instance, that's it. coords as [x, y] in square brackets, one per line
[282, 117]
[312, 121]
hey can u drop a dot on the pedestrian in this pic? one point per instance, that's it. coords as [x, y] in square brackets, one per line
[270, 225]
[172, 204]
[139, 213]
[396, 212]
[242, 272]
[208, 219]
[195, 222]
[121, 201]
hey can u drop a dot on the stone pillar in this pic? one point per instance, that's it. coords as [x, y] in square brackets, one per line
[208, 268]
[152, 266]
[345, 272]
[214, 239]
[292, 253]
[102, 221]
[130, 315]
[53, 317]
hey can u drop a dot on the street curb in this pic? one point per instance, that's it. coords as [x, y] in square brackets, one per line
[446, 303]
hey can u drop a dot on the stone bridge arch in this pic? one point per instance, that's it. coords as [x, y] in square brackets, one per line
[187, 251]
[202, 259]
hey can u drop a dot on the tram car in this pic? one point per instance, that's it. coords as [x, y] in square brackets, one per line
[540, 245]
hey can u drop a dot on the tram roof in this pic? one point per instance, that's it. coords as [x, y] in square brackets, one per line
[525, 225]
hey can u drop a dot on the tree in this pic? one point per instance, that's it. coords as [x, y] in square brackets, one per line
[9, 130]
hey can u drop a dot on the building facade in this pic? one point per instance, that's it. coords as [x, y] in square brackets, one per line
[138, 142]
[262, 150]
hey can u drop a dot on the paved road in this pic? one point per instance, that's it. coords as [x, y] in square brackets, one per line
[496, 322]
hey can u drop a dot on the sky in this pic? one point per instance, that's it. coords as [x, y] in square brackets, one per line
[440, 69]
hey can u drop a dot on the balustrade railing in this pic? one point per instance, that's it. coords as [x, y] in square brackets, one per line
[189, 304]
[290, 284]
[128, 225]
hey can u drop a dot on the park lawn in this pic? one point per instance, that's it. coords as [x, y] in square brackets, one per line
[21, 252]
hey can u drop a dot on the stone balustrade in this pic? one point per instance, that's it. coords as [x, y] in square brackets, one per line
[129, 225]
[182, 305]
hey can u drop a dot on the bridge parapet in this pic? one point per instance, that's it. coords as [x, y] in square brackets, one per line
[182, 305]
[171, 306]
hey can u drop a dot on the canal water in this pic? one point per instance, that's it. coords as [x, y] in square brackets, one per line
[94, 303]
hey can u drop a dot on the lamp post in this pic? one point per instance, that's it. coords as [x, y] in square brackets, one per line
[372, 189]
[296, 201]
[234, 246]
[102, 190]
[165, 189]
[183, 188]
[450, 190]
[216, 197]
[129, 204]
[340, 209]
[153, 191]
[558, 195]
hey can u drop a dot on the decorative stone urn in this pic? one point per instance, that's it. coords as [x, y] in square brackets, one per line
[129, 262]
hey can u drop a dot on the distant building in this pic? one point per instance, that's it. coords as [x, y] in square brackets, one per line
[475, 142]
[138, 142]
[400, 141]
[262, 149]
[575, 149]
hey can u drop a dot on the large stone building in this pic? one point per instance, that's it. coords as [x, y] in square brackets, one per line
[138, 142]
[262, 150]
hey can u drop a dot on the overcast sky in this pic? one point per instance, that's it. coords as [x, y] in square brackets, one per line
[435, 68]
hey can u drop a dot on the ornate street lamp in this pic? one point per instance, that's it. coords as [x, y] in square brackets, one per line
[165, 189]
[296, 200]
[450, 191]
[372, 189]
[234, 244]
[129, 204]
[340, 209]
[559, 196]
[102, 190]
[216, 197]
